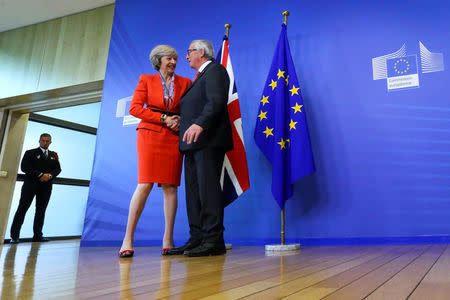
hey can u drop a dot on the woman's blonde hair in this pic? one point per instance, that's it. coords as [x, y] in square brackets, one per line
[158, 52]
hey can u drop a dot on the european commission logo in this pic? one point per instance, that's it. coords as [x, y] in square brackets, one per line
[123, 106]
[401, 71]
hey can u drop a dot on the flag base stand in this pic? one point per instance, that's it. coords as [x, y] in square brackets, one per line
[228, 246]
[282, 248]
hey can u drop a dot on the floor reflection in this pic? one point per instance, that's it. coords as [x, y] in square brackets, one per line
[13, 277]
[199, 282]
[164, 282]
[126, 291]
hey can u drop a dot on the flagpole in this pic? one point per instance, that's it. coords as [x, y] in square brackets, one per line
[227, 26]
[285, 14]
[282, 226]
[283, 248]
[227, 32]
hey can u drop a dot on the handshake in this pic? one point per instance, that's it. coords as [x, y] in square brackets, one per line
[172, 122]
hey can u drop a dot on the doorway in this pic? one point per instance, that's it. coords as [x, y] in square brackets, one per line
[73, 130]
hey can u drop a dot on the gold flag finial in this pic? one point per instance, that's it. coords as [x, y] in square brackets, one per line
[227, 26]
[285, 14]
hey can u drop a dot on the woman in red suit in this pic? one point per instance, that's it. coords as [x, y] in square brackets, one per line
[156, 101]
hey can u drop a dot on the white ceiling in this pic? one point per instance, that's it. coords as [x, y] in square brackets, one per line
[19, 13]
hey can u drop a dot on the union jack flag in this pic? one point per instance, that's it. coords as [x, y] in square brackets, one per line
[234, 178]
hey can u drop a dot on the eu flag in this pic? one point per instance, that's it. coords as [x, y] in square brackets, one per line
[281, 131]
[401, 66]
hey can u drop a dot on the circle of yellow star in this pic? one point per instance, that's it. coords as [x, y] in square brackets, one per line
[262, 115]
[265, 100]
[282, 144]
[268, 131]
[287, 79]
[405, 66]
[297, 108]
[294, 90]
[292, 125]
[280, 74]
[273, 84]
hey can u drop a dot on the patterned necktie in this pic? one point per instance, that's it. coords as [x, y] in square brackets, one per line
[46, 153]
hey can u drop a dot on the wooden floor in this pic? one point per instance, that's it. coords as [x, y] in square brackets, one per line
[63, 270]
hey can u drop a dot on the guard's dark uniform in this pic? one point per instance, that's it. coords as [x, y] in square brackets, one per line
[34, 164]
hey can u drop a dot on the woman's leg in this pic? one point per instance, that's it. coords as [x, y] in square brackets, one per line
[170, 210]
[137, 205]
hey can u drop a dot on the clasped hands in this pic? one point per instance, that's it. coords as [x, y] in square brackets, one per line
[173, 122]
[45, 177]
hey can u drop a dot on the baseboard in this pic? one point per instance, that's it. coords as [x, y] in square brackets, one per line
[427, 239]
[52, 238]
[402, 240]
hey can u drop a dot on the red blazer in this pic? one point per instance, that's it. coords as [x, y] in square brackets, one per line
[149, 94]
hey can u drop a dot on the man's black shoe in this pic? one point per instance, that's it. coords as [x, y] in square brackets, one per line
[206, 249]
[190, 244]
[14, 241]
[40, 239]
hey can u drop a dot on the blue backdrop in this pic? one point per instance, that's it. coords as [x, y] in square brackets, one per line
[382, 152]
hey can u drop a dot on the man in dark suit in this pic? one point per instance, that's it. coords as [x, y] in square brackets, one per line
[205, 136]
[40, 166]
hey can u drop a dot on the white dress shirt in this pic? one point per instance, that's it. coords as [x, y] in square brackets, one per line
[202, 67]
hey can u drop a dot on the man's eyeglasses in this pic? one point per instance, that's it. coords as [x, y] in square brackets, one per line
[190, 50]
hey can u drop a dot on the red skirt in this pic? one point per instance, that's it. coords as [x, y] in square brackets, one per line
[159, 160]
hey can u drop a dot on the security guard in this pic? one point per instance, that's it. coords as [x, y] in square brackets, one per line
[40, 166]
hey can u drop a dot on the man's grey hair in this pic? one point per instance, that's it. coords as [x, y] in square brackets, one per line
[205, 45]
[158, 52]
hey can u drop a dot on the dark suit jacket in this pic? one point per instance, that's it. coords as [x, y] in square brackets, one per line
[34, 163]
[205, 103]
